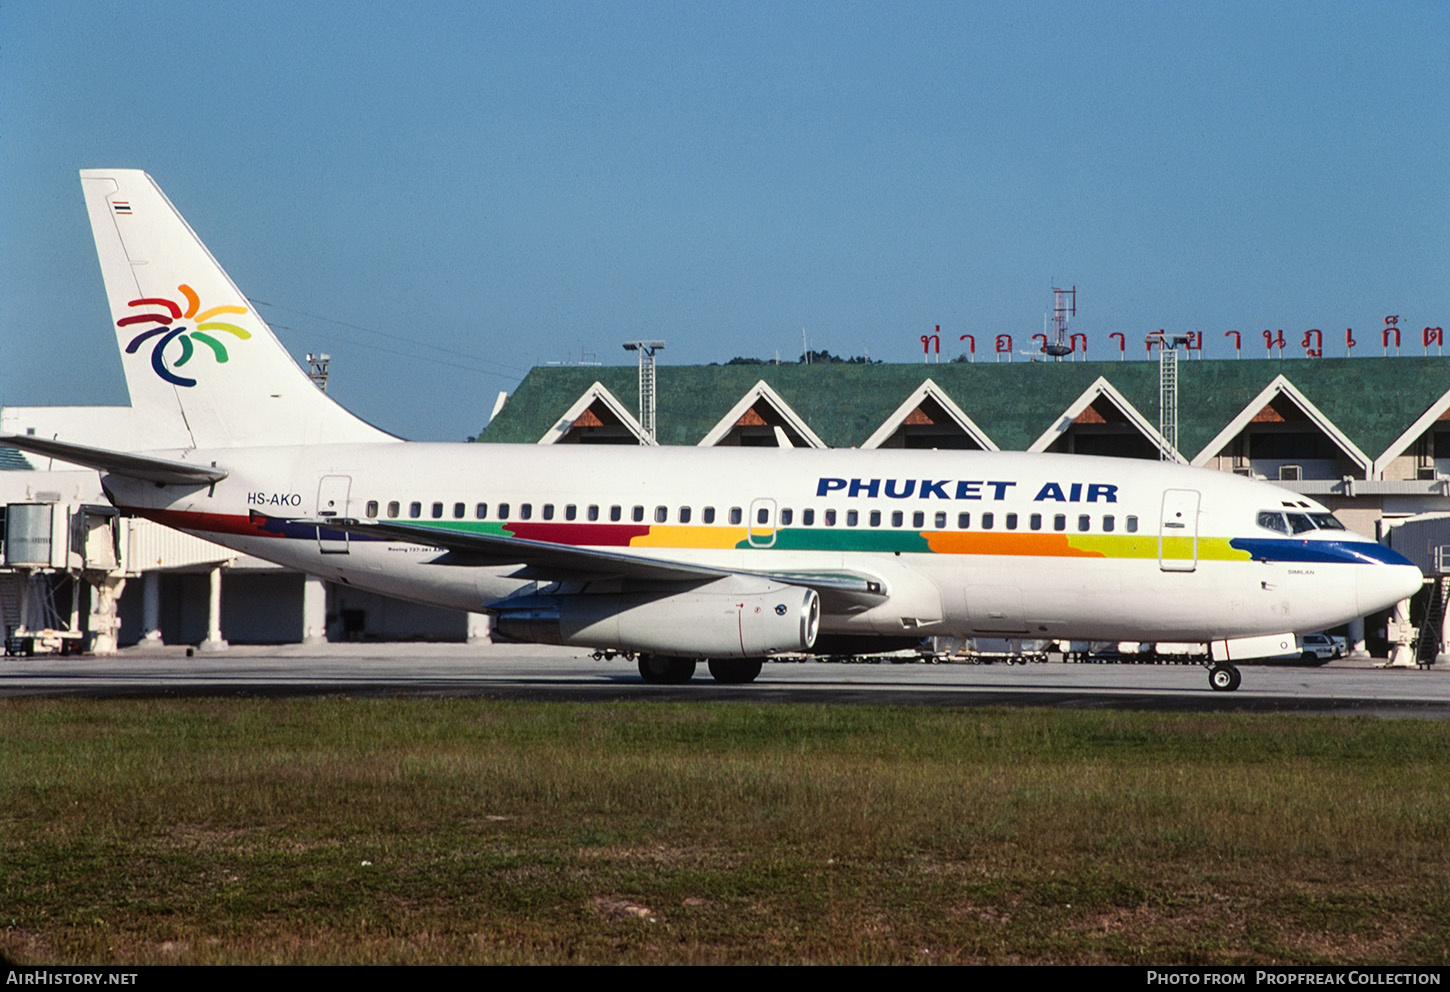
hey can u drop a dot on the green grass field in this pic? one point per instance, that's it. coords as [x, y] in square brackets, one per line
[348, 831]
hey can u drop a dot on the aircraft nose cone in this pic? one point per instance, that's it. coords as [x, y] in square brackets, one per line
[1378, 587]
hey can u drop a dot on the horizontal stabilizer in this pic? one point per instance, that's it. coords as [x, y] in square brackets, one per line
[132, 466]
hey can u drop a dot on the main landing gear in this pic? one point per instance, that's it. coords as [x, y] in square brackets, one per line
[1224, 677]
[660, 669]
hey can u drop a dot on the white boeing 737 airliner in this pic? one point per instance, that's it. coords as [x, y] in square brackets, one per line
[682, 554]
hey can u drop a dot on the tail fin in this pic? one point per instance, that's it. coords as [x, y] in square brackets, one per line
[197, 356]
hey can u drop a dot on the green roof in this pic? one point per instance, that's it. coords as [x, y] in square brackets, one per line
[1371, 400]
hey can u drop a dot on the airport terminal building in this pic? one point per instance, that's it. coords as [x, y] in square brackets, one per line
[1369, 437]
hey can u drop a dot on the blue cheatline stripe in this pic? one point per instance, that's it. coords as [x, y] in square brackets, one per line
[1324, 552]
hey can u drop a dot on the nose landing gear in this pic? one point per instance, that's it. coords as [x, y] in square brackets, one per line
[1224, 677]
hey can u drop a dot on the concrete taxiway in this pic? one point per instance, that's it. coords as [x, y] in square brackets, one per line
[503, 671]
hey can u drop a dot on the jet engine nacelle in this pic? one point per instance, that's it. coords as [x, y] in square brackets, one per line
[704, 623]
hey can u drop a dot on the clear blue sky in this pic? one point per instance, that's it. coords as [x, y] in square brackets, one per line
[492, 186]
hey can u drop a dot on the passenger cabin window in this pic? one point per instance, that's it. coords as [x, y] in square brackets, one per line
[1035, 521]
[830, 516]
[616, 513]
[709, 516]
[662, 514]
[571, 511]
[372, 510]
[875, 518]
[393, 508]
[526, 511]
[897, 518]
[941, 520]
[1108, 524]
[459, 510]
[638, 514]
[1011, 521]
[437, 510]
[786, 516]
[1059, 521]
[964, 521]
[548, 511]
[987, 521]
[503, 511]
[808, 517]
[1084, 522]
[918, 520]
[480, 511]
[762, 515]
[736, 515]
[852, 518]
[415, 510]
[593, 512]
[684, 514]
[1132, 525]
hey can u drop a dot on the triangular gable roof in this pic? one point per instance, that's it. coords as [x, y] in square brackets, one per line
[1439, 410]
[1283, 387]
[1101, 388]
[929, 389]
[596, 393]
[760, 391]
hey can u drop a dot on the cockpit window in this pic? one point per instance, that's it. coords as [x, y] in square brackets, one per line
[1326, 521]
[1300, 522]
[1273, 520]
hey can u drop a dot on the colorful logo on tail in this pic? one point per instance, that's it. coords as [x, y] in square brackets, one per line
[197, 330]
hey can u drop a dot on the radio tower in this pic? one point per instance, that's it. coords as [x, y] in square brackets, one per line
[646, 351]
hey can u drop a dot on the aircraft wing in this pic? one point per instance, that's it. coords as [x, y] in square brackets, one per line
[560, 562]
[133, 466]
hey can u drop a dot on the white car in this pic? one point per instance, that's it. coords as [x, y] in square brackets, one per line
[1320, 648]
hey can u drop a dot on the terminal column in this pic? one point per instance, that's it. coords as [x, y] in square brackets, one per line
[151, 608]
[314, 610]
[214, 640]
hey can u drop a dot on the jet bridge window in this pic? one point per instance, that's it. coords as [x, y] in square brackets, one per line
[415, 509]
[393, 508]
[372, 510]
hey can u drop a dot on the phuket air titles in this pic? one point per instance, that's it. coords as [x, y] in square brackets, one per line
[729, 555]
